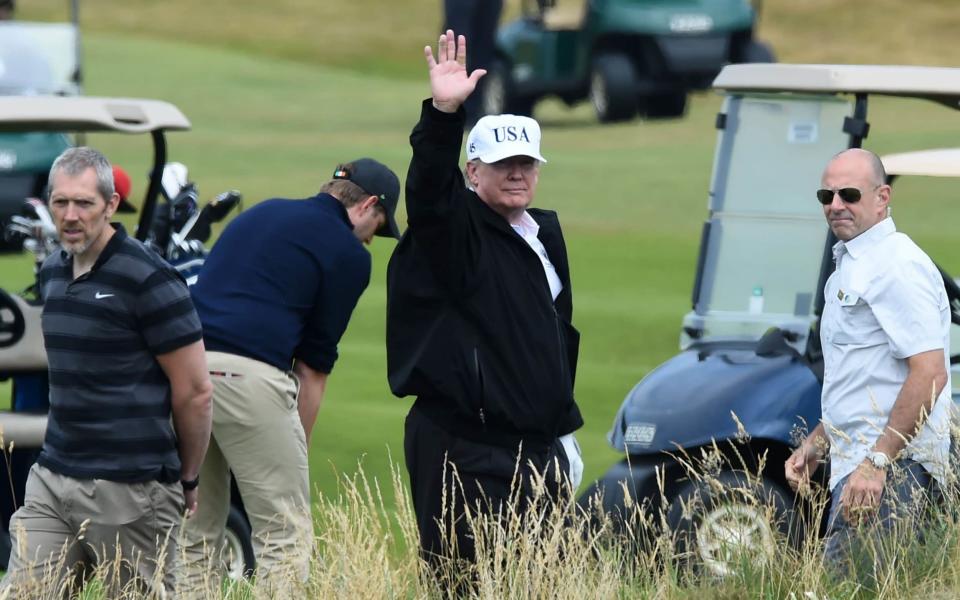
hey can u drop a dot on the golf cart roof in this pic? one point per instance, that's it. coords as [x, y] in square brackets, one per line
[940, 84]
[74, 113]
[942, 162]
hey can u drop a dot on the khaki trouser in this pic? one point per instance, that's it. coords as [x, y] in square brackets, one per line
[258, 436]
[69, 527]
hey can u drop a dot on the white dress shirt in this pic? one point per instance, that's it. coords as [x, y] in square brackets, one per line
[884, 303]
[528, 229]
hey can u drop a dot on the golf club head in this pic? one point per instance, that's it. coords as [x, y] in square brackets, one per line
[220, 206]
[213, 212]
[174, 179]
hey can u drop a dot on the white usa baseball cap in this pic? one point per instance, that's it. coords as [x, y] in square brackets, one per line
[496, 137]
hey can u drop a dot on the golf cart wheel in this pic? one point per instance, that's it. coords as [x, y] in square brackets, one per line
[718, 525]
[665, 106]
[498, 94]
[613, 88]
[12, 323]
[236, 555]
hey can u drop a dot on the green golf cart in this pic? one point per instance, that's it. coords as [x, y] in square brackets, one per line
[626, 56]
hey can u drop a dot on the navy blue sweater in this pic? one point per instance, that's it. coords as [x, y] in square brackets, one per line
[282, 281]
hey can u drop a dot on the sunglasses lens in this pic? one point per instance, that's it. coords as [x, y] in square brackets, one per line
[849, 195]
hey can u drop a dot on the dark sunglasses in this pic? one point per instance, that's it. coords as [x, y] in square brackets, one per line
[849, 195]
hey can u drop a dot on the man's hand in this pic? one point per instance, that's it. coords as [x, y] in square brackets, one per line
[862, 493]
[801, 464]
[191, 499]
[449, 83]
[313, 385]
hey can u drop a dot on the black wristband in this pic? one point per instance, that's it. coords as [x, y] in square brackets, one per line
[190, 484]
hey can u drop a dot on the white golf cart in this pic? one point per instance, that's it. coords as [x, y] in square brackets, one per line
[41, 58]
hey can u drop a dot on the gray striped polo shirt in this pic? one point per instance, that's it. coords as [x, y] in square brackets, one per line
[109, 398]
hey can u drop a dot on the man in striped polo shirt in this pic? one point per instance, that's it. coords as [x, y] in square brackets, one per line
[125, 354]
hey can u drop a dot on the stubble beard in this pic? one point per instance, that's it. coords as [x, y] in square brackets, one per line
[76, 248]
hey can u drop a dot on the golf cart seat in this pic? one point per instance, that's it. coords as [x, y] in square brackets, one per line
[564, 14]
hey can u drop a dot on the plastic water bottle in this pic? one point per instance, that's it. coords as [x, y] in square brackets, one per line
[756, 301]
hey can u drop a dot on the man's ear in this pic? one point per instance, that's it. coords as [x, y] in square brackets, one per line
[471, 173]
[112, 204]
[368, 204]
[885, 192]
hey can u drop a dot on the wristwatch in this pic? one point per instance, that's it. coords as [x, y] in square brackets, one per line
[190, 484]
[878, 459]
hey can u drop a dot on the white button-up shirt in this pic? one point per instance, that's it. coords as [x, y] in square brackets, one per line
[884, 303]
[528, 229]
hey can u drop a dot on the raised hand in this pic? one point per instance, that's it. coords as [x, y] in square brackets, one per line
[450, 84]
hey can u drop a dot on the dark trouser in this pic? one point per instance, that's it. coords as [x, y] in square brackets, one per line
[448, 473]
[476, 19]
[907, 496]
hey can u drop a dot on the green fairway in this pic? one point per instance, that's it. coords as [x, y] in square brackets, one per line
[632, 198]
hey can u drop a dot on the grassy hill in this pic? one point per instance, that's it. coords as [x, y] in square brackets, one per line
[280, 92]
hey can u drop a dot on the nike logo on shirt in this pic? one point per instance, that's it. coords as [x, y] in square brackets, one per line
[99, 295]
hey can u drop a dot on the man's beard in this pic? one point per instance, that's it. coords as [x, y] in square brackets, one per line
[75, 248]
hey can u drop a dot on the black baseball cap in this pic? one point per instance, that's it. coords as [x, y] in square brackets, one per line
[377, 180]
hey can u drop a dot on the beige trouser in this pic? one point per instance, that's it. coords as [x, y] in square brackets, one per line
[125, 533]
[258, 436]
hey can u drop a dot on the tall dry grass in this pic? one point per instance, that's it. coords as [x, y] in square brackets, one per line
[562, 550]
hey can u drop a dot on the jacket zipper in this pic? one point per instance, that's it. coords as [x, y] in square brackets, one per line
[561, 345]
[479, 373]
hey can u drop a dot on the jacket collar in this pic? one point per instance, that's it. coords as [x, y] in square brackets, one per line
[335, 206]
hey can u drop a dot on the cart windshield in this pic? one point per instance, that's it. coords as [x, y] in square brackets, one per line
[764, 240]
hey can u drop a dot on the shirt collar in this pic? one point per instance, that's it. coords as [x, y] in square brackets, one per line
[119, 234]
[526, 226]
[863, 242]
[336, 206]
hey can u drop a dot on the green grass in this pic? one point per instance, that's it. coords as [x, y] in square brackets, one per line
[632, 198]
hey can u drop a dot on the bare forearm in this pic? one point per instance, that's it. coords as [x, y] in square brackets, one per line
[818, 440]
[913, 405]
[190, 394]
[313, 385]
[192, 416]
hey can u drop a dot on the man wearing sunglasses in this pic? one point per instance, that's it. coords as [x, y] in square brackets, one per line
[885, 332]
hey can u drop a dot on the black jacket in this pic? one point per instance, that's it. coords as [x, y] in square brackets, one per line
[472, 329]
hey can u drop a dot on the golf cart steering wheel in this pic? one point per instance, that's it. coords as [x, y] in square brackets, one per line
[11, 327]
